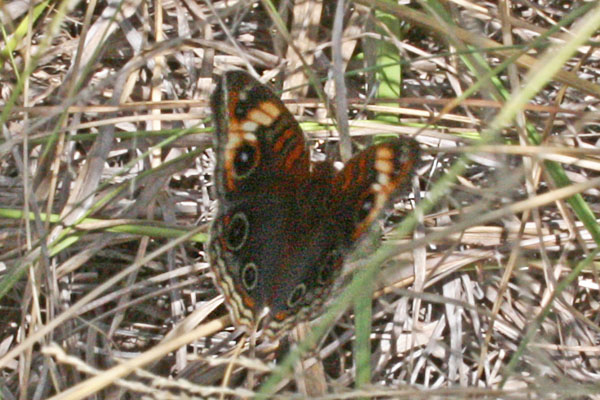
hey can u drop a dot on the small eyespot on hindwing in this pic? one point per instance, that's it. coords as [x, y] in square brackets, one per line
[249, 276]
[236, 232]
[296, 296]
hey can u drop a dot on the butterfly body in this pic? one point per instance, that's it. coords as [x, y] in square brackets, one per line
[283, 226]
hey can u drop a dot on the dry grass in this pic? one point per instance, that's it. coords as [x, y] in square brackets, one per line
[105, 290]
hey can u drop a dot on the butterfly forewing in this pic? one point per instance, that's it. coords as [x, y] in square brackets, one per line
[367, 183]
[260, 146]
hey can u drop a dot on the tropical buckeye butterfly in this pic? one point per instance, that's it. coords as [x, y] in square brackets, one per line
[283, 226]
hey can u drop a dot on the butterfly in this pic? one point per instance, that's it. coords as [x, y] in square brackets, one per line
[283, 224]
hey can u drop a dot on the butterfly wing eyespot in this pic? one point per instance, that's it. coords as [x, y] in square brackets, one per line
[236, 231]
[296, 295]
[368, 182]
[364, 209]
[245, 160]
[249, 276]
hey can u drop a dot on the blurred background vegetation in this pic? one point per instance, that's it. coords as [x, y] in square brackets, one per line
[489, 290]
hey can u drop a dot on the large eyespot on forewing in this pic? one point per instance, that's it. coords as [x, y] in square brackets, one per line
[236, 231]
[245, 159]
[368, 182]
[364, 207]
